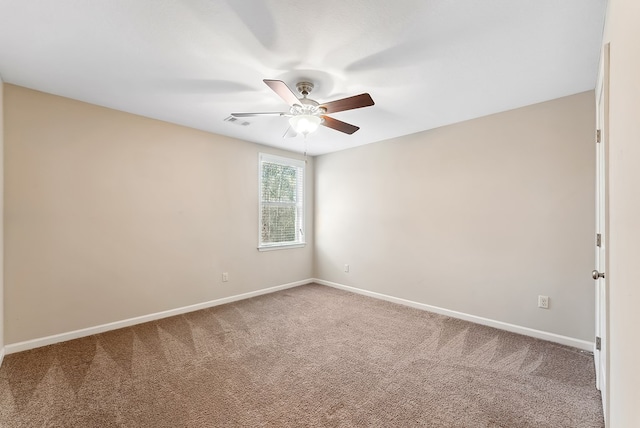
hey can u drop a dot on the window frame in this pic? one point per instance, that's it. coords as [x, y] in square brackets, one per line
[300, 166]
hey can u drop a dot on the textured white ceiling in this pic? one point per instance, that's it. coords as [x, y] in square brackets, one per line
[426, 63]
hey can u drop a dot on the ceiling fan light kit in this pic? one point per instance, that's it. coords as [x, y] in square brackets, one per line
[305, 123]
[306, 115]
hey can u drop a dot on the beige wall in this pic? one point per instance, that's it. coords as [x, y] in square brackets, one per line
[479, 217]
[111, 216]
[623, 32]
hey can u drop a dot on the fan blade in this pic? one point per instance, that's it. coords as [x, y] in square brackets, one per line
[339, 125]
[350, 103]
[289, 133]
[258, 114]
[281, 88]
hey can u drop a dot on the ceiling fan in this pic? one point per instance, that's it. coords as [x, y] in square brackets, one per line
[305, 114]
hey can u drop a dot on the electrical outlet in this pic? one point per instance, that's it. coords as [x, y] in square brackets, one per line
[225, 276]
[543, 302]
[346, 268]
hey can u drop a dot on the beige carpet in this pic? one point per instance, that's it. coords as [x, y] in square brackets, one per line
[308, 356]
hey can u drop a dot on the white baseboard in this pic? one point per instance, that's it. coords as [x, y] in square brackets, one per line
[76, 334]
[551, 337]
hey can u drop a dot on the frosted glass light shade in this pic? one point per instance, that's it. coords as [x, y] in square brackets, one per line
[305, 123]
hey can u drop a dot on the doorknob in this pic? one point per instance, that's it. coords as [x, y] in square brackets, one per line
[597, 275]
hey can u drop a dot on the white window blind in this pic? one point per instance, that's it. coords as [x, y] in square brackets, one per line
[281, 217]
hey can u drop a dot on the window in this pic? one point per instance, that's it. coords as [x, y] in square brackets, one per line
[281, 184]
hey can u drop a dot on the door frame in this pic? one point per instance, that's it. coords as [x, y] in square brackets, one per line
[601, 356]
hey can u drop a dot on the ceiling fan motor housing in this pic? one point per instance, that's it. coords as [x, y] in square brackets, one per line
[307, 106]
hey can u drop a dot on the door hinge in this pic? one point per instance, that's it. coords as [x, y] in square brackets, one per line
[598, 240]
[598, 344]
[598, 136]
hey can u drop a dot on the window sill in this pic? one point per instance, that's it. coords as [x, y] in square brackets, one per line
[282, 247]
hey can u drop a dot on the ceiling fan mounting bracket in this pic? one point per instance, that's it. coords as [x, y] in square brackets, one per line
[304, 88]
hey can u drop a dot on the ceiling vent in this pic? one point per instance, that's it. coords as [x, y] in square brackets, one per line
[237, 121]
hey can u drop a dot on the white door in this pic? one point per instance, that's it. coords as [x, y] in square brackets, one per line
[599, 274]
